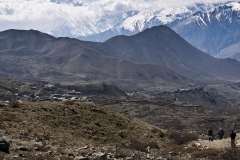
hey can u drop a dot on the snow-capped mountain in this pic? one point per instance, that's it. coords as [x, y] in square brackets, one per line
[209, 26]
[213, 31]
[103, 27]
[73, 2]
[232, 51]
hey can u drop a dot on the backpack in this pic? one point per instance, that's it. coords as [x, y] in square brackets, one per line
[222, 132]
[210, 132]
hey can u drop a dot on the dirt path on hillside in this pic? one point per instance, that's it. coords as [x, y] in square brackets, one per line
[224, 143]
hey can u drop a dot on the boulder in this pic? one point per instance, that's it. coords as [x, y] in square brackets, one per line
[99, 156]
[81, 158]
[23, 148]
[4, 146]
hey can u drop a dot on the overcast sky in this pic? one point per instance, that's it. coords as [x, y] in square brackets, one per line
[43, 14]
[118, 5]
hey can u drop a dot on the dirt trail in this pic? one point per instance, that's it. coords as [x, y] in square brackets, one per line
[224, 143]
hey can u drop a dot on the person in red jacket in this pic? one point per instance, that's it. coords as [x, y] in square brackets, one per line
[220, 133]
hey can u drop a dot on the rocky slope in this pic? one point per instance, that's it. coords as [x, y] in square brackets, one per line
[164, 47]
[34, 55]
[60, 130]
[86, 131]
[232, 51]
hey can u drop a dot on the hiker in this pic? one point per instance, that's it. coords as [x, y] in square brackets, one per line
[233, 136]
[220, 133]
[210, 134]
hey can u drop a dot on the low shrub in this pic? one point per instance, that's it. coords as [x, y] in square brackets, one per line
[183, 137]
[42, 157]
[2, 105]
[139, 146]
[156, 130]
[206, 153]
[153, 145]
[68, 102]
[1, 155]
[230, 154]
[14, 104]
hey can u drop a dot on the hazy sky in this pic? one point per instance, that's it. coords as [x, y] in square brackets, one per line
[44, 15]
[116, 5]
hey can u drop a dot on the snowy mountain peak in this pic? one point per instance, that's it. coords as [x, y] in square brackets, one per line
[71, 2]
[234, 5]
[212, 31]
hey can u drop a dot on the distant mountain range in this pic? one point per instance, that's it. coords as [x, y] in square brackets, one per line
[35, 55]
[216, 31]
[156, 55]
[212, 28]
[128, 23]
[162, 46]
[73, 2]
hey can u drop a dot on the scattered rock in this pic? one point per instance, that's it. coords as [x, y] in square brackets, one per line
[81, 158]
[23, 148]
[4, 146]
[2, 134]
[21, 155]
[83, 148]
[70, 154]
[99, 156]
[173, 153]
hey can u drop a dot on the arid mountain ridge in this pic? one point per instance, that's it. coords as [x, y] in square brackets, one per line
[34, 55]
[156, 55]
[162, 46]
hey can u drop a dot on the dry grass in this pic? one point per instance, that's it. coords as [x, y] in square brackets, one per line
[182, 137]
[1, 155]
[79, 124]
[14, 104]
[206, 153]
[230, 154]
[137, 145]
[68, 102]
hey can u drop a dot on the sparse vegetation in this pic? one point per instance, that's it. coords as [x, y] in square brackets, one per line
[1, 155]
[2, 105]
[182, 137]
[205, 153]
[45, 156]
[14, 104]
[77, 125]
[68, 102]
[42, 157]
[137, 145]
[153, 145]
[141, 146]
[230, 154]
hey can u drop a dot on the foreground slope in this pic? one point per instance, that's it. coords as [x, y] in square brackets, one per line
[60, 129]
[162, 46]
[77, 124]
[34, 55]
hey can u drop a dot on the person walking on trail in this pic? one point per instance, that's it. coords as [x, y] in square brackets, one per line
[220, 133]
[233, 136]
[210, 134]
